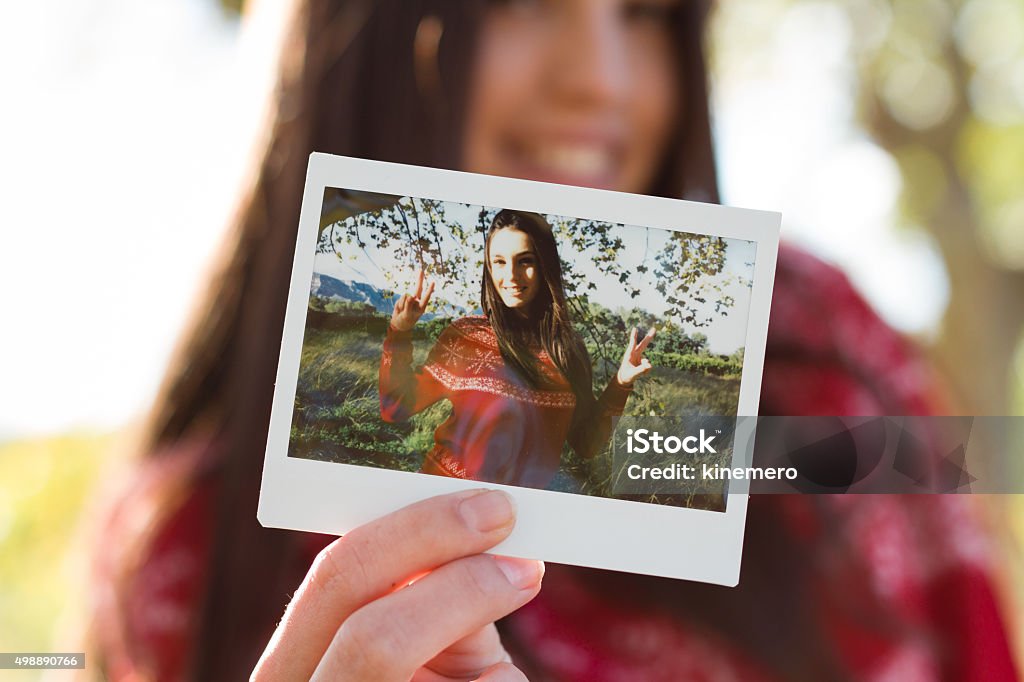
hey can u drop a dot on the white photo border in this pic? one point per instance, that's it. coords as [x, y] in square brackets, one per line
[636, 537]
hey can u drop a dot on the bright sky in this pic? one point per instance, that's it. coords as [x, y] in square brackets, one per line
[121, 150]
[126, 127]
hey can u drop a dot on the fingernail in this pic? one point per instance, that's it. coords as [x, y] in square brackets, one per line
[521, 573]
[488, 511]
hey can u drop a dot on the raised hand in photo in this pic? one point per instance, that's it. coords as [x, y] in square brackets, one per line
[410, 308]
[634, 363]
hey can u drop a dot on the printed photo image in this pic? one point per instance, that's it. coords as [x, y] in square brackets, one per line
[505, 346]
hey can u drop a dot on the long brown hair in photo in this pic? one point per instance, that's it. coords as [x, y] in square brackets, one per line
[387, 79]
[548, 323]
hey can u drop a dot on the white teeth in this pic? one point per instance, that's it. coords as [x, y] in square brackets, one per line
[575, 159]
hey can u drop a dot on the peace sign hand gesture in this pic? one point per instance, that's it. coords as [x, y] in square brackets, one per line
[633, 361]
[409, 309]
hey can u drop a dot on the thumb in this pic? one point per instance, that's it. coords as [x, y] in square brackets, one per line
[502, 672]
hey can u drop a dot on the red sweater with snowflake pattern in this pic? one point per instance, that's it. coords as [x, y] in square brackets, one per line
[500, 429]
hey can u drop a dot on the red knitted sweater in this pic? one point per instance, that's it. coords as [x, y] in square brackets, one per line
[500, 429]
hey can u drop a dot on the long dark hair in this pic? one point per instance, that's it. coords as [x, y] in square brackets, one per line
[548, 323]
[380, 79]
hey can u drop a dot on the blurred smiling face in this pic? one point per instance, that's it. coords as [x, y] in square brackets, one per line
[513, 267]
[577, 92]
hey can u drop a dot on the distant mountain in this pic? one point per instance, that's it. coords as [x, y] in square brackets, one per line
[330, 288]
[325, 286]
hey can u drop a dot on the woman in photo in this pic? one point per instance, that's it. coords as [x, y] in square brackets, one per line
[519, 377]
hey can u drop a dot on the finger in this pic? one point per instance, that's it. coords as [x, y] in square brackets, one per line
[645, 367]
[468, 657]
[646, 341]
[400, 305]
[426, 296]
[374, 559]
[419, 283]
[502, 672]
[632, 339]
[390, 638]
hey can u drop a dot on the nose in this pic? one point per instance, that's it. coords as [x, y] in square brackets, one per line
[588, 60]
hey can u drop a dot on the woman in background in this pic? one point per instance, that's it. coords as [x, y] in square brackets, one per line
[519, 378]
[603, 93]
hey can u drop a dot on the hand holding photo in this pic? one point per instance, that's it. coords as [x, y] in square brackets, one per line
[436, 337]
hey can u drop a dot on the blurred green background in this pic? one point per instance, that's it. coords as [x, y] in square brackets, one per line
[890, 133]
[46, 500]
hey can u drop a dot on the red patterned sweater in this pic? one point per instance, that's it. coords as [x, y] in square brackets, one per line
[500, 430]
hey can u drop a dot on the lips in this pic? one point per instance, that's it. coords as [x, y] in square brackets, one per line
[590, 161]
[574, 159]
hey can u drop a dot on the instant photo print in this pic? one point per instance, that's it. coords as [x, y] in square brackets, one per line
[586, 351]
